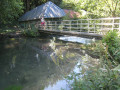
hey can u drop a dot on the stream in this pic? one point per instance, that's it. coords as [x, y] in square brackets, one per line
[42, 63]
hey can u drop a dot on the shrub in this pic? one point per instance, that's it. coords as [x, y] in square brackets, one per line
[99, 80]
[30, 32]
[112, 41]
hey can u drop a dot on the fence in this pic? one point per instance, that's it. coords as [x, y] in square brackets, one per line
[99, 26]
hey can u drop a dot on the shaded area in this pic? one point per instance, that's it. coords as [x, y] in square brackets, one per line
[25, 62]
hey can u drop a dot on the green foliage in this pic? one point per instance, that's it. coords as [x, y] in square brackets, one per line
[94, 8]
[30, 32]
[14, 87]
[99, 80]
[112, 41]
[10, 10]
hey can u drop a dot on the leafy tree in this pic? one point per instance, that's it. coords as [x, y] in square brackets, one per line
[10, 10]
[101, 8]
[30, 4]
[113, 7]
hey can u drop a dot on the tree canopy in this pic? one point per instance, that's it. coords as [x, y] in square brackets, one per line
[10, 10]
[100, 8]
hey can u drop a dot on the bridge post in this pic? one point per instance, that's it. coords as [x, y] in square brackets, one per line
[49, 25]
[112, 24]
[62, 25]
[77, 25]
[70, 24]
[119, 25]
[55, 25]
[101, 26]
[88, 26]
[80, 25]
[94, 25]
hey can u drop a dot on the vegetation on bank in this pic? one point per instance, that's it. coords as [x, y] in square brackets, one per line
[18, 31]
[30, 32]
[107, 75]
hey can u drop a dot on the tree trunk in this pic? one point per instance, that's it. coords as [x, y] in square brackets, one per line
[27, 5]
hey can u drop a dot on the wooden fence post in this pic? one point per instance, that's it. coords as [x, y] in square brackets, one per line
[94, 25]
[113, 24]
[88, 26]
[70, 24]
[55, 26]
[62, 26]
[80, 25]
[119, 25]
[46, 25]
[101, 26]
[77, 25]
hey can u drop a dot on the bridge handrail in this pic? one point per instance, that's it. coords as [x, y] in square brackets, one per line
[100, 25]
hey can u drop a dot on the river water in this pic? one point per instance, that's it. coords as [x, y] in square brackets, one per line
[41, 63]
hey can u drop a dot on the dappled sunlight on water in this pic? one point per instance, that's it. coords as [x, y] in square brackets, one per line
[41, 64]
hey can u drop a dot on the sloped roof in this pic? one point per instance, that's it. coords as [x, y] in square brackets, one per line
[47, 10]
[71, 13]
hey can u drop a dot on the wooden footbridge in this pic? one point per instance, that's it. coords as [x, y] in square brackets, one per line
[72, 33]
[81, 27]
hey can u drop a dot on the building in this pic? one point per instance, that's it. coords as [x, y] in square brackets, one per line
[48, 10]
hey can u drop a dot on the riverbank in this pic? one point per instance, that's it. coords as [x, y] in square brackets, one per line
[11, 35]
[10, 32]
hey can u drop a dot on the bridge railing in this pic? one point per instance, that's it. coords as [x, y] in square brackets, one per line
[100, 26]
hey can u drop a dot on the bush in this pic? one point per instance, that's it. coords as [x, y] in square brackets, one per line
[112, 41]
[30, 32]
[100, 80]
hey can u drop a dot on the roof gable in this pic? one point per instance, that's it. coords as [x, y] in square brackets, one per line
[47, 10]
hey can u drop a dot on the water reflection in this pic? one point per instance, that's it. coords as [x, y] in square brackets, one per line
[38, 64]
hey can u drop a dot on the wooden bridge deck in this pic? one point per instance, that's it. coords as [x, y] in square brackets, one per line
[81, 34]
